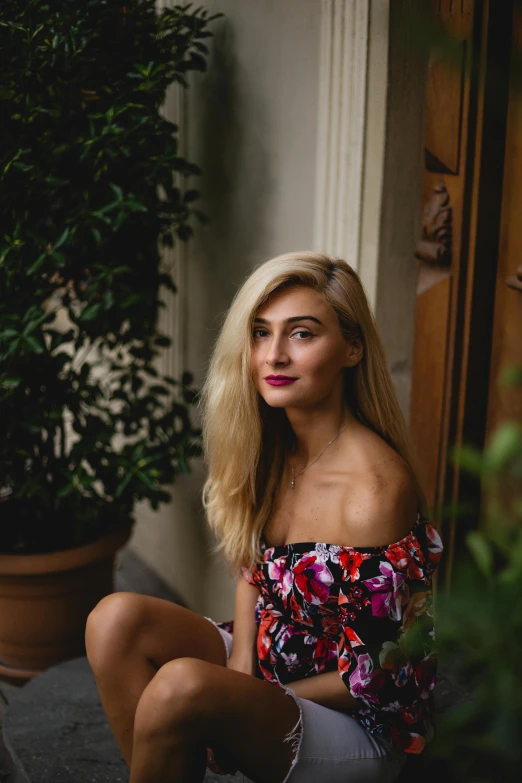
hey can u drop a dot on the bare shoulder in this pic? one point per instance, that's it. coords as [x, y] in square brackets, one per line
[380, 506]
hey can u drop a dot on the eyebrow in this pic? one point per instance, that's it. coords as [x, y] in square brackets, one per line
[292, 319]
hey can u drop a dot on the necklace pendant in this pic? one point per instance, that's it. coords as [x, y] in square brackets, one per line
[292, 484]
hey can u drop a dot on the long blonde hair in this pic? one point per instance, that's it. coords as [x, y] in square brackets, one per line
[245, 441]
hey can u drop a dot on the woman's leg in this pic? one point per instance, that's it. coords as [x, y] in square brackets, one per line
[128, 638]
[192, 704]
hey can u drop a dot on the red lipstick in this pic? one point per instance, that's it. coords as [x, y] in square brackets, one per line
[279, 380]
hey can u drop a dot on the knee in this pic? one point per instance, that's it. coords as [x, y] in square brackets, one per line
[112, 625]
[176, 696]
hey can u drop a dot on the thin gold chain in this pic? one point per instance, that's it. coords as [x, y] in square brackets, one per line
[294, 475]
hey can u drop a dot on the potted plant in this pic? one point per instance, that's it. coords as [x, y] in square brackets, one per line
[92, 187]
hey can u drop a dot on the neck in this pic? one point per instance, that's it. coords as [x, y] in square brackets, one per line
[314, 428]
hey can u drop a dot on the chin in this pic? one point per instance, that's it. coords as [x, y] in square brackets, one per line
[278, 400]
[276, 404]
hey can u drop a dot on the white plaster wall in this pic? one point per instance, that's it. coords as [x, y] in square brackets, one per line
[252, 122]
[398, 230]
[374, 147]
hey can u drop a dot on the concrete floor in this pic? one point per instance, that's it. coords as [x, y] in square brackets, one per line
[7, 692]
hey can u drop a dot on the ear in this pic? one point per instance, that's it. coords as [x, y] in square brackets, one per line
[354, 352]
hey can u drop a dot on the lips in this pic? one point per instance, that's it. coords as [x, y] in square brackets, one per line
[279, 380]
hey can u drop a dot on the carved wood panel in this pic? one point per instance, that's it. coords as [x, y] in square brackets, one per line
[434, 245]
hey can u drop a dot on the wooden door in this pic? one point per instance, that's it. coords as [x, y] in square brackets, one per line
[465, 129]
[505, 404]
[449, 137]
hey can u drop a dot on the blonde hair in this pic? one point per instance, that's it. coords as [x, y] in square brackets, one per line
[246, 441]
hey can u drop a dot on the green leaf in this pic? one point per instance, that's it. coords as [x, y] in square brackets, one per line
[8, 333]
[66, 491]
[32, 325]
[120, 488]
[506, 442]
[117, 190]
[62, 239]
[119, 270]
[184, 232]
[10, 383]
[145, 479]
[130, 300]
[13, 347]
[191, 195]
[163, 341]
[38, 263]
[481, 551]
[90, 312]
[34, 344]
[97, 236]
[468, 457]
[511, 376]
[58, 257]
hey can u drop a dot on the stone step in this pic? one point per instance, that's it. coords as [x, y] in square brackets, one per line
[56, 731]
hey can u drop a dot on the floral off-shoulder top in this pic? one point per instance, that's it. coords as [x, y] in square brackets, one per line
[366, 612]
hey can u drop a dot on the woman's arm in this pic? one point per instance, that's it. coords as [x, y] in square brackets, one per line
[327, 689]
[244, 654]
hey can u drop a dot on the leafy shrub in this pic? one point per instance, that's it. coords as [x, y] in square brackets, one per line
[92, 186]
[479, 623]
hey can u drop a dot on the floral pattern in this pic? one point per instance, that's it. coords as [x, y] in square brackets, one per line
[366, 612]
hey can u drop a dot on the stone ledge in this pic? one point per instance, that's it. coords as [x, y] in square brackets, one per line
[56, 731]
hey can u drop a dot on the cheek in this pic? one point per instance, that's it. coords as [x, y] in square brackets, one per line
[257, 368]
[321, 363]
[256, 360]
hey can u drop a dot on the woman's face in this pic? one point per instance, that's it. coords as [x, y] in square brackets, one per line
[296, 336]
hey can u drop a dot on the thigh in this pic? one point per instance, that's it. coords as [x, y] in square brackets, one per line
[154, 628]
[244, 720]
[249, 723]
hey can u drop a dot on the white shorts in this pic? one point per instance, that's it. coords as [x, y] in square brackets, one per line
[331, 746]
[225, 635]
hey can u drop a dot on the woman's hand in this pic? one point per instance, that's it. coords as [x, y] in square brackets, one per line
[328, 690]
[225, 767]
[215, 767]
[211, 763]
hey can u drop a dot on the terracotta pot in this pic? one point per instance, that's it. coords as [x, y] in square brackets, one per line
[45, 600]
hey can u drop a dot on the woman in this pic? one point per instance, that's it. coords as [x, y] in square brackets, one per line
[316, 507]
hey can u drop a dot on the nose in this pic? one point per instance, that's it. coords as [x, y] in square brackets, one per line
[276, 353]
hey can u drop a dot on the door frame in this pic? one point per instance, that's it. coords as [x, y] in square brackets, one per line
[467, 380]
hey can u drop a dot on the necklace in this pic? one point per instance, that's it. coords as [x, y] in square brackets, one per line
[294, 475]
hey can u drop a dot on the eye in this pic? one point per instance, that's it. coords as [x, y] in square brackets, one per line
[256, 331]
[303, 331]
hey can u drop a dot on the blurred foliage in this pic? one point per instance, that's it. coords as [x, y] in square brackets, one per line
[479, 622]
[92, 186]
